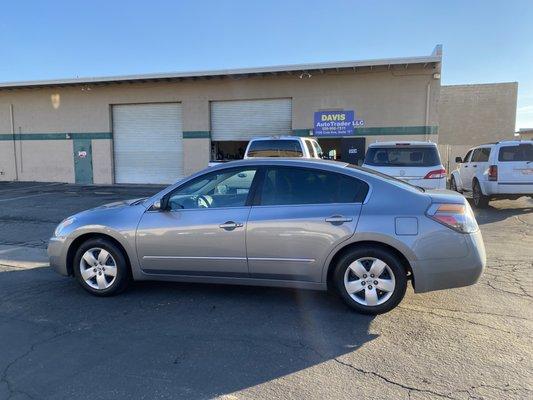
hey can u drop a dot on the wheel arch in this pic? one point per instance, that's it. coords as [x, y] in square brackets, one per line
[76, 243]
[457, 177]
[376, 243]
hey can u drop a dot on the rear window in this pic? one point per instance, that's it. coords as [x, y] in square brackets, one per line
[522, 152]
[275, 148]
[402, 156]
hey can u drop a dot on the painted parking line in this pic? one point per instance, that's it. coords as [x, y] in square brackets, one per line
[2, 191]
[28, 196]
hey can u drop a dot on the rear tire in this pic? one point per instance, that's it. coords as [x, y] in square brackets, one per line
[370, 280]
[480, 200]
[101, 267]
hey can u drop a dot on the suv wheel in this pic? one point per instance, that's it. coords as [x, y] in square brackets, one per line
[371, 280]
[480, 200]
[101, 268]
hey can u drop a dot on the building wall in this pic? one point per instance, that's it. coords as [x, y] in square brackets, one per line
[393, 102]
[475, 114]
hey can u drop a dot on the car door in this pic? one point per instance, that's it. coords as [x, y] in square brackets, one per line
[299, 215]
[203, 229]
[480, 165]
[466, 170]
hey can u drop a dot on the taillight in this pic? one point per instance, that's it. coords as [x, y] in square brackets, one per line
[493, 173]
[436, 174]
[455, 216]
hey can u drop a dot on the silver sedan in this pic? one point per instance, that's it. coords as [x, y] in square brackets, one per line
[309, 224]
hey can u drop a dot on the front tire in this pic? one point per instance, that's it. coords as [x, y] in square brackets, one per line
[480, 200]
[370, 280]
[101, 267]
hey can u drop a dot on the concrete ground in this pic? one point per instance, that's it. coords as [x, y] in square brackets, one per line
[193, 341]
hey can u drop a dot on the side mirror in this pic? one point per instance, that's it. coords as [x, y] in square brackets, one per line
[160, 205]
[458, 160]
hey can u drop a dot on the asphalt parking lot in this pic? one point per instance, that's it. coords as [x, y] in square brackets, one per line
[193, 341]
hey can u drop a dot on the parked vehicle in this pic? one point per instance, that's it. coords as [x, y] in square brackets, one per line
[502, 170]
[283, 146]
[312, 224]
[415, 162]
[280, 146]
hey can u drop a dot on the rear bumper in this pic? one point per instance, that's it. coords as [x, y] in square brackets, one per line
[57, 252]
[439, 183]
[437, 274]
[508, 188]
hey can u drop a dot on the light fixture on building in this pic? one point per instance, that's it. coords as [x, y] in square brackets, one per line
[305, 74]
[436, 75]
[86, 88]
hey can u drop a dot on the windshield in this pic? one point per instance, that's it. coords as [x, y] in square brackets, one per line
[412, 156]
[275, 148]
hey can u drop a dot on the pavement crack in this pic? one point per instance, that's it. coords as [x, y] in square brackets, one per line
[392, 382]
[426, 311]
[4, 377]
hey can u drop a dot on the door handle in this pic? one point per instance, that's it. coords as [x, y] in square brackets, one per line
[338, 219]
[475, 165]
[230, 225]
[466, 166]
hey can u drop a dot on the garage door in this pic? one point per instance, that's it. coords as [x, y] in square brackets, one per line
[147, 141]
[243, 120]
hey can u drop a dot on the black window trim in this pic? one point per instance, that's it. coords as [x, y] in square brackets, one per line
[260, 174]
[247, 203]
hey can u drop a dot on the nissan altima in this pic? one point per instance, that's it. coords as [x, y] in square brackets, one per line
[309, 224]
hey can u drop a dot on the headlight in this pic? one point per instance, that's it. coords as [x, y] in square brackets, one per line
[66, 222]
[459, 217]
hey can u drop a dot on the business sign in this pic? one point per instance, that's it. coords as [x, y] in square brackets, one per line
[335, 123]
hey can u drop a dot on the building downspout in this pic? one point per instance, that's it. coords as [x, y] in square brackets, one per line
[14, 144]
[428, 93]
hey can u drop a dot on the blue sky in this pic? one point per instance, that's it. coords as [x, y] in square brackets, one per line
[484, 41]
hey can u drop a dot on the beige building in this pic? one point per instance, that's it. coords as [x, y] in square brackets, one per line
[158, 128]
[470, 115]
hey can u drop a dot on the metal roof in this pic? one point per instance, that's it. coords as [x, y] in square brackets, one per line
[434, 58]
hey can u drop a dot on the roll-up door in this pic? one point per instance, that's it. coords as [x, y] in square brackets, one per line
[245, 119]
[147, 141]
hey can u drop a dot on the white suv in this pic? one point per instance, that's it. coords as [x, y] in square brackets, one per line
[417, 163]
[495, 170]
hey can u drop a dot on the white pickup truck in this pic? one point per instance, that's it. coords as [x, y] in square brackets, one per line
[281, 146]
[495, 171]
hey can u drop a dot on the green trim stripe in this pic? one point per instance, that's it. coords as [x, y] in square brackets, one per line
[196, 134]
[383, 131]
[56, 136]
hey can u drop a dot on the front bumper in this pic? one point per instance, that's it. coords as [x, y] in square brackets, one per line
[57, 252]
[442, 273]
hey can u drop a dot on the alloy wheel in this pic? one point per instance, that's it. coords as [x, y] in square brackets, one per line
[98, 268]
[369, 281]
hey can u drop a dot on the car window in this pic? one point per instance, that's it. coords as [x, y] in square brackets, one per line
[226, 188]
[318, 149]
[415, 156]
[289, 185]
[481, 155]
[522, 152]
[467, 157]
[275, 148]
[309, 148]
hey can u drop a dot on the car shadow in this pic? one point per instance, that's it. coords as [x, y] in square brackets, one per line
[499, 210]
[163, 340]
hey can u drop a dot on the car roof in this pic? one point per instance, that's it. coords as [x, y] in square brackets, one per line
[317, 162]
[275, 137]
[414, 143]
